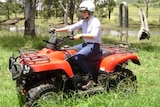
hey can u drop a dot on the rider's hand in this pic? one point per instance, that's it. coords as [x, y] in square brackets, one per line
[78, 36]
[53, 30]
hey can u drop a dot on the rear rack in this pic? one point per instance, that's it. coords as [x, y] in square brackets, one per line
[119, 48]
[31, 56]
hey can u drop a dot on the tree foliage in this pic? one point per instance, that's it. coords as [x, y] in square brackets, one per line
[147, 3]
[105, 8]
[49, 8]
[9, 7]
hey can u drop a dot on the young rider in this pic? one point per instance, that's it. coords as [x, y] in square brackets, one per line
[91, 33]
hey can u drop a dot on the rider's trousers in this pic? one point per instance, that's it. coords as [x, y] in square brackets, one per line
[86, 51]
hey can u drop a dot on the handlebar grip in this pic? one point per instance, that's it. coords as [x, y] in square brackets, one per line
[52, 31]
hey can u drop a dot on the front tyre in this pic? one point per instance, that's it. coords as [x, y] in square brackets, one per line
[37, 96]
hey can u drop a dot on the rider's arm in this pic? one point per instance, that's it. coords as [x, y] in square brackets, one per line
[70, 28]
[65, 29]
[87, 36]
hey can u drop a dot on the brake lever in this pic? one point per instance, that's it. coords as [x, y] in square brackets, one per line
[70, 37]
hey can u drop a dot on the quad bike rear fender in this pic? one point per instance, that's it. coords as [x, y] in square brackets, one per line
[109, 63]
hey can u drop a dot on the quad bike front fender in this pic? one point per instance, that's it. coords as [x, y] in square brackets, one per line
[54, 65]
[109, 63]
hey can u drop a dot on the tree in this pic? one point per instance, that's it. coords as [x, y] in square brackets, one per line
[16, 7]
[77, 5]
[146, 2]
[108, 4]
[65, 9]
[47, 9]
[29, 13]
[7, 6]
[71, 8]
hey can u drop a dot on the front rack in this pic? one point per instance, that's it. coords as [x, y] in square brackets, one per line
[31, 56]
[27, 51]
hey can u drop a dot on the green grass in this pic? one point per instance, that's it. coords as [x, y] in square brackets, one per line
[147, 74]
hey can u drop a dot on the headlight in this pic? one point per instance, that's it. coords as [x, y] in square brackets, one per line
[26, 70]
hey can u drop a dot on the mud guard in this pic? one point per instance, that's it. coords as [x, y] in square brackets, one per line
[109, 63]
[54, 65]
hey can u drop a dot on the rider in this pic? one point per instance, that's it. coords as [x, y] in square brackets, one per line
[91, 33]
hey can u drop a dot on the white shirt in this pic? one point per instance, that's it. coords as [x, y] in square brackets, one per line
[93, 28]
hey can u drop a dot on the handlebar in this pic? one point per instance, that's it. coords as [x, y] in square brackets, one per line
[71, 37]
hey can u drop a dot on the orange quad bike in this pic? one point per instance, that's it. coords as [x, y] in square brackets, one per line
[41, 74]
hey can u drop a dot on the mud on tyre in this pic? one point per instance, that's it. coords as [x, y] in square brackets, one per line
[40, 93]
[123, 81]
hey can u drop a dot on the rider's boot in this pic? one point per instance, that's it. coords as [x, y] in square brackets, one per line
[90, 84]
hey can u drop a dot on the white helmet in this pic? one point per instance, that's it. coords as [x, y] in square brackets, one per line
[87, 5]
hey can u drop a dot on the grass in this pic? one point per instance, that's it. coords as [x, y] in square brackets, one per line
[147, 74]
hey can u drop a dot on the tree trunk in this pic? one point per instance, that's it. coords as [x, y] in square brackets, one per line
[29, 13]
[79, 15]
[8, 12]
[65, 12]
[146, 3]
[72, 6]
[109, 14]
[147, 10]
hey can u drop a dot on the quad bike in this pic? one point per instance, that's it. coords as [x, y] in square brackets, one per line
[40, 74]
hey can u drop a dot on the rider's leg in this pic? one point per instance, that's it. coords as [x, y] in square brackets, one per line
[88, 51]
[78, 47]
[79, 58]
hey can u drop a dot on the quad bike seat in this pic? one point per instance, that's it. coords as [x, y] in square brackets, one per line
[106, 53]
[100, 55]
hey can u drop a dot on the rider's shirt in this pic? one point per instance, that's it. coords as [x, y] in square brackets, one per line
[91, 27]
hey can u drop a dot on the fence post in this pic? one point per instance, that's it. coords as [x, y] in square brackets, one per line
[123, 4]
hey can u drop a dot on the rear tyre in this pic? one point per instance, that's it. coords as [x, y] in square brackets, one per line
[37, 96]
[127, 82]
[123, 81]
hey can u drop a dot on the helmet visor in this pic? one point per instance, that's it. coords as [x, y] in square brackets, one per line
[82, 9]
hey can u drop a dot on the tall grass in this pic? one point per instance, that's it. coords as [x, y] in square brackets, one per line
[148, 75]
